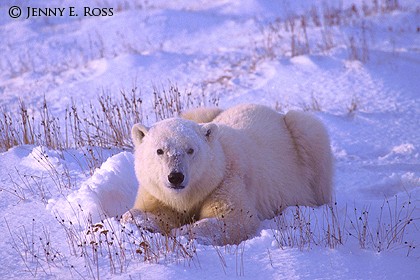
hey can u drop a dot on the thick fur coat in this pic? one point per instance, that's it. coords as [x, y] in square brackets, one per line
[229, 172]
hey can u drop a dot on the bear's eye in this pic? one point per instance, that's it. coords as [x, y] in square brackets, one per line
[190, 151]
[159, 151]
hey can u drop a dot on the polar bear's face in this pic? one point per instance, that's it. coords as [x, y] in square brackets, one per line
[172, 155]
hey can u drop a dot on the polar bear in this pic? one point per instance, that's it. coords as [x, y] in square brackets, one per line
[225, 175]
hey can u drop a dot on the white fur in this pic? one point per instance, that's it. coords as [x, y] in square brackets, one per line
[201, 115]
[248, 164]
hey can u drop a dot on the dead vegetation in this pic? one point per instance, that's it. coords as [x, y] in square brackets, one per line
[290, 36]
[105, 123]
[108, 244]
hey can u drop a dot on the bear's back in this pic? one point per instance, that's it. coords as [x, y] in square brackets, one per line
[256, 137]
[248, 116]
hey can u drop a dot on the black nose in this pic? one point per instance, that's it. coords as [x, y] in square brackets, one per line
[176, 178]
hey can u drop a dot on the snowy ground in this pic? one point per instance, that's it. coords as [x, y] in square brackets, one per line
[359, 76]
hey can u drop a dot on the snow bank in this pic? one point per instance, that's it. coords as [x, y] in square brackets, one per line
[109, 192]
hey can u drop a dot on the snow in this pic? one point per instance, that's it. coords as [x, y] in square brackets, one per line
[110, 191]
[53, 201]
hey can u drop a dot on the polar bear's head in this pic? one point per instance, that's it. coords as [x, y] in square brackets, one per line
[175, 160]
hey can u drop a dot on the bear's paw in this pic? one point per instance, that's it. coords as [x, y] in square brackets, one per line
[208, 231]
[146, 221]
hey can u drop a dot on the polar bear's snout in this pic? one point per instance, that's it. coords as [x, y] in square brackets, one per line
[176, 179]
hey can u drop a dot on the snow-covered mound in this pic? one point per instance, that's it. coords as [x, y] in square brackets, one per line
[110, 192]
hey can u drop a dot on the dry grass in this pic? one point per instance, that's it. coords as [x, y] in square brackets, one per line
[290, 36]
[105, 124]
[304, 228]
[108, 245]
[38, 251]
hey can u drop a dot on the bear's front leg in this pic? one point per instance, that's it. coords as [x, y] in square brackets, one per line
[221, 230]
[149, 213]
[216, 231]
[226, 217]
[147, 221]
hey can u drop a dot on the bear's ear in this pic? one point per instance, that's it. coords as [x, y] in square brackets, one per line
[210, 131]
[138, 132]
